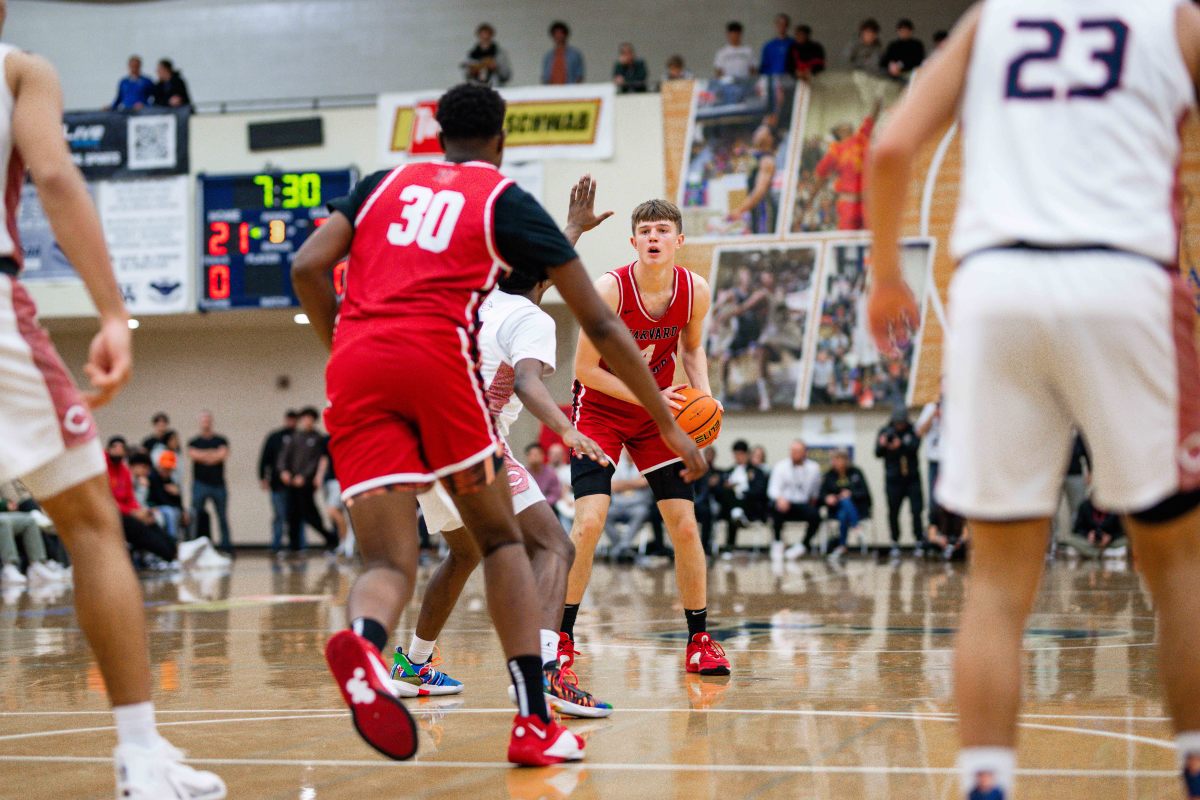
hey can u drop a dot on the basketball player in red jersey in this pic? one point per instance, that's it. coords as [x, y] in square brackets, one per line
[406, 408]
[48, 432]
[663, 305]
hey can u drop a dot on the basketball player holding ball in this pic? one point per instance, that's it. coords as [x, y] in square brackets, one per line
[663, 306]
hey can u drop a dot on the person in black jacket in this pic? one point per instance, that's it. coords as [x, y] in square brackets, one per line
[742, 495]
[904, 53]
[845, 496]
[300, 461]
[268, 477]
[898, 445]
[171, 90]
[1098, 528]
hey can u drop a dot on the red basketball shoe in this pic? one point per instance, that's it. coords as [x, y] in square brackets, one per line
[706, 656]
[380, 718]
[539, 744]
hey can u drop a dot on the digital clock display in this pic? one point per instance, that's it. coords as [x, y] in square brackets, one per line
[251, 227]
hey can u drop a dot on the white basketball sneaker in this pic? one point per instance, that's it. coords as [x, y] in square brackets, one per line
[158, 773]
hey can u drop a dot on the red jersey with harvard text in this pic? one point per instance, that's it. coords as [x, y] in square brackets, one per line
[658, 338]
[403, 268]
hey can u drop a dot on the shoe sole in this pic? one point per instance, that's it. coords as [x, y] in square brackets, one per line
[567, 708]
[384, 722]
[438, 691]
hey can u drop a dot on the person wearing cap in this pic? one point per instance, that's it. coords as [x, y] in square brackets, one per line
[269, 480]
[898, 445]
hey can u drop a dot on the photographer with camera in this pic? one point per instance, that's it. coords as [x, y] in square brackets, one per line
[898, 445]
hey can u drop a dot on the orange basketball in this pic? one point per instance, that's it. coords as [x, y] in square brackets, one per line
[699, 416]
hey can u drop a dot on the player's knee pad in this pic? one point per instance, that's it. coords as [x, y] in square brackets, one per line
[667, 484]
[1170, 509]
[474, 479]
[590, 477]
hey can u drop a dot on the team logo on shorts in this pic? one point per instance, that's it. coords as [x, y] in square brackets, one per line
[77, 420]
[1189, 453]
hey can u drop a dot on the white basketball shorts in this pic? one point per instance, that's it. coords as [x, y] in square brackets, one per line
[48, 432]
[1045, 343]
[441, 515]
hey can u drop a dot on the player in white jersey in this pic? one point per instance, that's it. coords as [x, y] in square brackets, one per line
[47, 428]
[1067, 311]
[516, 351]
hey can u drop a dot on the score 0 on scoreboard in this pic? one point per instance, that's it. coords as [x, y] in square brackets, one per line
[250, 229]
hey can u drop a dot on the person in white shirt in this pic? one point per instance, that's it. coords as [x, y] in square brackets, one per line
[929, 428]
[735, 60]
[793, 489]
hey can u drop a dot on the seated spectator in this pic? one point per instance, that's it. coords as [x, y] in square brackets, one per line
[734, 60]
[300, 461]
[758, 457]
[165, 497]
[171, 91]
[904, 53]
[779, 54]
[846, 497]
[629, 72]
[948, 532]
[676, 70]
[41, 569]
[487, 63]
[160, 424]
[809, 54]
[1096, 530]
[742, 495]
[142, 531]
[135, 90]
[705, 500]
[631, 507]
[557, 457]
[562, 63]
[865, 52]
[793, 488]
[170, 444]
[544, 475]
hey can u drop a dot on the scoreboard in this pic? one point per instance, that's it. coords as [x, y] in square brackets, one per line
[250, 229]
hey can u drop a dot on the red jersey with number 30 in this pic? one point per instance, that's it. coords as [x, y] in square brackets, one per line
[402, 265]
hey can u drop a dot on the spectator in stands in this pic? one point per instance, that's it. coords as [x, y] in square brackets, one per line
[543, 474]
[734, 60]
[268, 478]
[949, 532]
[1075, 483]
[171, 91]
[742, 495]
[160, 423]
[898, 445]
[632, 505]
[299, 463]
[166, 495]
[929, 428]
[208, 452]
[705, 500]
[335, 507]
[142, 531]
[13, 524]
[562, 63]
[557, 457]
[809, 54]
[904, 53]
[865, 52]
[1096, 530]
[135, 90]
[846, 497]
[170, 443]
[676, 70]
[779, 54]
[758, 457]
[794, 488]
[139, 470]
[487, 63]
[629, 72]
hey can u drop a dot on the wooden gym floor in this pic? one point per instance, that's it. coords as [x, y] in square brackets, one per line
[841, 688]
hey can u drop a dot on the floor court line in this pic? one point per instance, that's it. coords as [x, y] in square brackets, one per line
[800, 769]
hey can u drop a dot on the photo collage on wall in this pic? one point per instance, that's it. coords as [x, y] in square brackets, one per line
[787, 329]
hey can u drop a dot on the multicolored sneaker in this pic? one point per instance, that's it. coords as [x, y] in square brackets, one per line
[706, 656]
[380, 718]
[566, 650]
[405, 679]
[434, 682]
[561, 687]
[535, 743]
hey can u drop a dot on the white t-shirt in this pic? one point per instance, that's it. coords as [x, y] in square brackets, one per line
[933, 437]
[735, 62]
[796, 483]
[512, 329]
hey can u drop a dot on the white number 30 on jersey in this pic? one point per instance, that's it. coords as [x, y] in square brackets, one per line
[428, 218]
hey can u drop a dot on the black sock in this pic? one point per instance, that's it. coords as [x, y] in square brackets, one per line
[370, 630]
[697, 621]
[526, 674]
[568, 621]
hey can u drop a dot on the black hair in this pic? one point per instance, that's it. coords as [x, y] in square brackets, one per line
[940, 36]
[291, 413]
[139, 457]
[905, 22]
[559, 25]
[309, 411]
[160, 416]
[471, 111]
[869, 24]
[517, 283]
[114, 440]
[485, 26]
[166, 62]
[733, 27]
[532, 445]
[805, 29]
[741, 446]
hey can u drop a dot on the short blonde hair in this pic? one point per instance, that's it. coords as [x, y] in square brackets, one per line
[657, 211]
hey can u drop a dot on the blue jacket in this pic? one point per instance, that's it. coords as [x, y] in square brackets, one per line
[574, 65]
[131, 91]
[778, 57]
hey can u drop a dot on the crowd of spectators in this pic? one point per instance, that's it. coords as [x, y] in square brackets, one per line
[136, 91]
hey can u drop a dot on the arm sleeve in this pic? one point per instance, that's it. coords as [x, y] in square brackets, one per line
[351, 203]
[526, 236]
[860, 492]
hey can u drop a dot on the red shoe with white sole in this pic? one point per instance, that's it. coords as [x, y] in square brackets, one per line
[706, 656]
[539, 744]
[380, 718]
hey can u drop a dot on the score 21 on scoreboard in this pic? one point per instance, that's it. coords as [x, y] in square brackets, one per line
[251, 227]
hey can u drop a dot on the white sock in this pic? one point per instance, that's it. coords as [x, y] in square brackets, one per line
[135, 724]
[549, 647]
[420, 650]
[997, 765]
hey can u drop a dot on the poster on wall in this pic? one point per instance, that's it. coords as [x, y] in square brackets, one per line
[542, 122]
[108, 144]
[759, 325]
[847, 369]
[839, 122]
[735, 160]
[146, 226]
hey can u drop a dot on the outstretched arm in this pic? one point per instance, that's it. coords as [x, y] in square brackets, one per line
[536, 397]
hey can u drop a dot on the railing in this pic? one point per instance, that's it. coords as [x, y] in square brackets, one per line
[286, 104]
